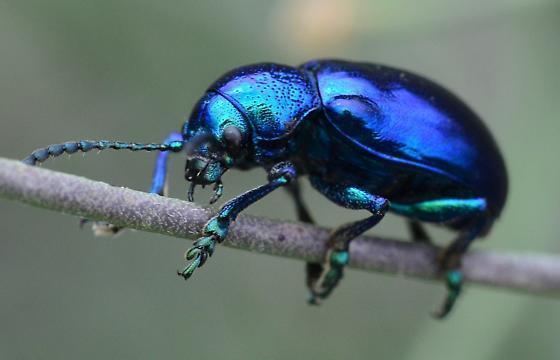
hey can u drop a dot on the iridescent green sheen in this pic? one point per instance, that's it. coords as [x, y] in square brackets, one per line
[440, 210]
[340, 258]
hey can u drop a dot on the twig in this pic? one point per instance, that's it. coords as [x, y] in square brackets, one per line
[138, 210]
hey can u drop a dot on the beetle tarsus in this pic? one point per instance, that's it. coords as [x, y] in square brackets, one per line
[454, 283]
[201, 250]
[218, 191]
[330, 275]
[187, 272]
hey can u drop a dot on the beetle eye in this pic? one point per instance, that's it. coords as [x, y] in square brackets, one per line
[232, 137]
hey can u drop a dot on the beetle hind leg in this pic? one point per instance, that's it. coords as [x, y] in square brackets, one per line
[449, 261]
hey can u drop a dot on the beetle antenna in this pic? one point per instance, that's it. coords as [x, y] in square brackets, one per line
[71, 147]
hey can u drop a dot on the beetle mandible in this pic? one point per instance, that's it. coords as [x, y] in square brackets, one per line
[368, 136]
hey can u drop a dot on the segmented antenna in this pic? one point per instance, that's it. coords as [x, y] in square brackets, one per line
[71, 147]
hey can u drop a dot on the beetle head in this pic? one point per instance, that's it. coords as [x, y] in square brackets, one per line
[215, 140]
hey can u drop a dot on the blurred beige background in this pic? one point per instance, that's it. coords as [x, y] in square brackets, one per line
[131, 70]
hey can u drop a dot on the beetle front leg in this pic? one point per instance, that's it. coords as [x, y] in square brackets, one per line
[217, 227]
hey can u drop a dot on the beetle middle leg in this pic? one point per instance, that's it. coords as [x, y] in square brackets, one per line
[217, 227]
[337, 254]
[302, 212]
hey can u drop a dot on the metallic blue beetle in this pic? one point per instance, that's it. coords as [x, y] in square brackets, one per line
[368, 136]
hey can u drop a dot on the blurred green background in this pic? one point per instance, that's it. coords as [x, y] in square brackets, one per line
[132, 70]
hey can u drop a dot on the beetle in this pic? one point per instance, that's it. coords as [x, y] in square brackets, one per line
[368, 136]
